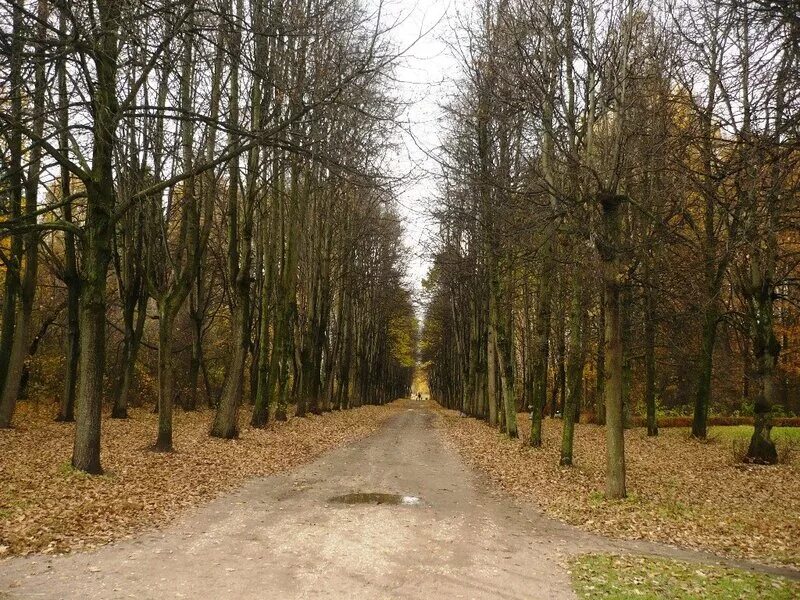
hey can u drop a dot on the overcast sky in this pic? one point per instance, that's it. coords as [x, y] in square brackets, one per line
[424, 75]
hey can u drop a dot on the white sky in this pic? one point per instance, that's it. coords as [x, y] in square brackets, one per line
[424, 75]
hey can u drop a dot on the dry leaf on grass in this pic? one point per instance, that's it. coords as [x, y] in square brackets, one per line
[47, 506]
[681, 491]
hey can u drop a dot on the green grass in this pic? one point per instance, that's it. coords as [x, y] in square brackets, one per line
[744, 432]
[597, 576]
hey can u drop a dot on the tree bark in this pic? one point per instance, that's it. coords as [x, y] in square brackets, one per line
[574, 368]
[98, 232]
[542, 352]
[702, 398]
[166, 377]
[608, 245]
[650, 359]
[66, 412]
[27, 289]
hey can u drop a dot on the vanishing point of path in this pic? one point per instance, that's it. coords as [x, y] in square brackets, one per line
[282, 537]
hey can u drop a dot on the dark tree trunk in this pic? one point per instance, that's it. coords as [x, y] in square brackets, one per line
[574, 369]
[542, 354]
[66, 412]
[600, 367]
[702, 398]
[98, 231]
[166, 378]
[15, 366]
[134, 329]
[650, 361]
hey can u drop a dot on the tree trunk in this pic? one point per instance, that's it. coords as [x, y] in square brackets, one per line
[166, 377]
[574, 369]
[86, 450]
[66, 411]
[542, 353]
[27, 291]
[134, 330]
[766, 350]
[702, 398]
[14, 269]
[762, 447]
[98, 231]
[261, 405]
[226, 420]
[615, 436]
[600, 367]
[650, 361]
[196, 313]
[491, 378]
[626, 325]
[505, 360]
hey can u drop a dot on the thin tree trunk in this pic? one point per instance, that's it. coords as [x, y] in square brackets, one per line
[27, 291]
[239, 252]
[263, 394]
[541, 354]
[196, 313]
[166, 377]
[134, 329]
[650, 359]
[13, 271]
[702, 398]
[574, 368]
[600, 367]
[615, 435]
[66, 411]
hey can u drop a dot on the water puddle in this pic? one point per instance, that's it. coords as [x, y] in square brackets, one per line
[377, 499]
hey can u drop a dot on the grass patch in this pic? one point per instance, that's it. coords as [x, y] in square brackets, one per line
[597, 499]
[744, 432]
[628, 577]
[672, 508]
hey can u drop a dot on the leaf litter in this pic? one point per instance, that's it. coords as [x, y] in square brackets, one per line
[47, 506]
[680, 491]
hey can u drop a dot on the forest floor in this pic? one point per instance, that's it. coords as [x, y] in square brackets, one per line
[680, 491]
[454, 535]
[46, 506]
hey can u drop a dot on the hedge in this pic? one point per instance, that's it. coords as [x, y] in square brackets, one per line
[638, 421]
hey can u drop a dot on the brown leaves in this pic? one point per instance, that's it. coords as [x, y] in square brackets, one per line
[681, 491]
[47, 506]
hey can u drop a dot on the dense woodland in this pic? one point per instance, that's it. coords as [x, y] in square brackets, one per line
[195, 209]
[618, 218]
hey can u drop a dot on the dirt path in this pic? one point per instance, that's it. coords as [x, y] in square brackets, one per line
[282, 537]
